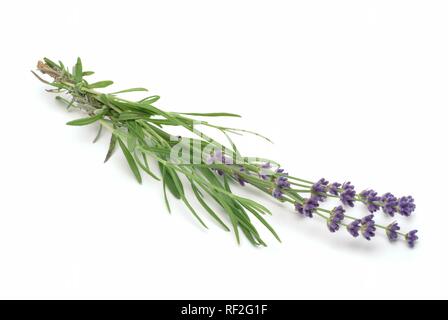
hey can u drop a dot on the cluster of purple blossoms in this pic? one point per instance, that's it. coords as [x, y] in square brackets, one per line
[365, 226]
[281, 183]
[371, 199]
[391, 231]
[333, 188]
[411, 237]
[406, 206]
[308, 206]
[320, 189]
[348, 194]
[368, 227]
[354, 227]
[336, 217]
[390, 204]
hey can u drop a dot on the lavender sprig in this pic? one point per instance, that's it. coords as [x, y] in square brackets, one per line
[138, 129]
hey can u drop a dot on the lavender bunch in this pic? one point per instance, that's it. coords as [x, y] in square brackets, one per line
[209, 168]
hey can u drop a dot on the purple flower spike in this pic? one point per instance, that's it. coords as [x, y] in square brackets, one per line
[348, 194]
[411, 237]
[282, 182]
[390, 203]
[320, 189]
[406, 206]
[335, 219]
[368, 227]
[371, 200]
[391, 231]
[308, 206]
[354, 227]
[277, 193]
[333, 188]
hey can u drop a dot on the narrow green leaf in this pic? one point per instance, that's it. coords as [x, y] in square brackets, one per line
[194, 212]
[207, 208]
[263, 221]
[88, 73]
[98, 134]
[51, 64]
[131, 115]
[165, 196]
[88, 120]
[168, 181]
[131, 142]
[150, 99]
[145, 167]
[100, 84]
[130, 90]
[112, 144]
[130, 160]
[212, 114]
[77, 72]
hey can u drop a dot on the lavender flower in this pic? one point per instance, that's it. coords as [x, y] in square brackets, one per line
[406, 206]
[319, 189]
[411, 237]
[368, 227]
[391, 231]
[348, 194]
[354, 227]
[337, 215]
[277, 193]
[371, 200]
[308, 206]
[282, 182]
[333, 188]
[390, 204]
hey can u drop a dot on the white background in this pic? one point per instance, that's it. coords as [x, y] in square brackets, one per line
[348, 90]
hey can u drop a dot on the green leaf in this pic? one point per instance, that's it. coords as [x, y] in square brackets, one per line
[77, 71]
[150, 99]
[112, 144]
[131, 115]
[163, 172]
[263, 221]
[98, 135]
[207, 208]
[194, 212]
[212, 114]
[88, 73]
[131, 161]
[51, 64]
[169, 181]
[88, 120]
[145, 166]
[100, 84]
[131, 142]
[130, 90]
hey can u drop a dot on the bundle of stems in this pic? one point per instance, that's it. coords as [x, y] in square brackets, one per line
[207, 166]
